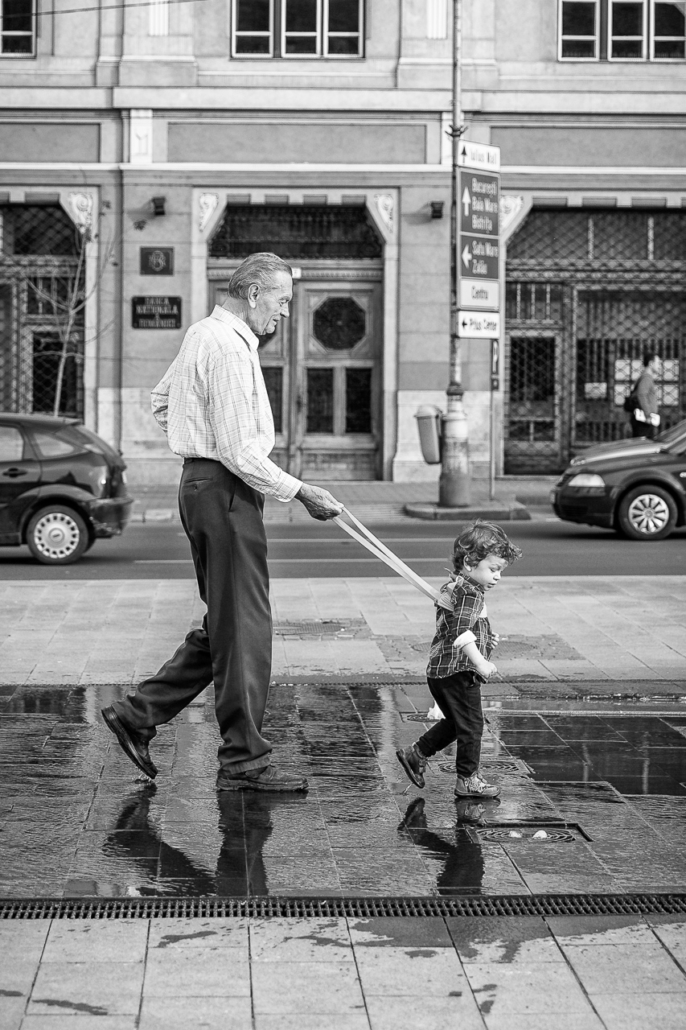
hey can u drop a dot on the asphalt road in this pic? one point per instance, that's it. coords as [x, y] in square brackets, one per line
[551, 548]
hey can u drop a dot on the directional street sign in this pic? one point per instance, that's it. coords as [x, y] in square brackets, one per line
[478, 240]
[479, 257]
[479, 202]
[478, 155]
[474, 325]
[476, 293]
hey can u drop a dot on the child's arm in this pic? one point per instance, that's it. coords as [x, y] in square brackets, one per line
[481, 664]
[467, 610]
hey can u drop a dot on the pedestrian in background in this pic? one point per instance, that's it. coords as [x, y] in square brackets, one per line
[460, 659]
[645, 419]
[212, 403]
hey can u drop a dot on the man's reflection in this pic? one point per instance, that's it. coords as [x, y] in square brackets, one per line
[463, 865]
[245, 825]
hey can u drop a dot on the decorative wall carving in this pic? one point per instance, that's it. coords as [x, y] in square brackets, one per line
[140, 138]
[510, 206]
[385, 205]
[81, 210]
[207, 205]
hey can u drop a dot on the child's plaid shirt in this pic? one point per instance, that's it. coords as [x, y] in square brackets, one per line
[466, 621]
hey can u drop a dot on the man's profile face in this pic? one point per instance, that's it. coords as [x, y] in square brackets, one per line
[270, 305]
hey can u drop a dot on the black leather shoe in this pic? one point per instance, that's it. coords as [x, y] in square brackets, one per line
[414, 764]
[130, 742]
[268, 779]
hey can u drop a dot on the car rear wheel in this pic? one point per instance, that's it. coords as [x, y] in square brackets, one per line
[57, 535]
[647, 513]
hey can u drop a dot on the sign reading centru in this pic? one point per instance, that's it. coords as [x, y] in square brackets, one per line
[156, 312]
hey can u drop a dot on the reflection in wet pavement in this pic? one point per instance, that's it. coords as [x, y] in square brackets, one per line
[75, 821]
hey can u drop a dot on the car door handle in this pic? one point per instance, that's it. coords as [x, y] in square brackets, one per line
[13, 473]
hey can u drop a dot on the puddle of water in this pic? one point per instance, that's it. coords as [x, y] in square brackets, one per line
[74, 819]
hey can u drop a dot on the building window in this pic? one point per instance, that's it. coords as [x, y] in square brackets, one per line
[579, 30]
[297, 28]
[17, 28]
[622, 30]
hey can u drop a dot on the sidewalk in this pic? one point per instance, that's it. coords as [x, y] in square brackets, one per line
[586, 735]
[575, 637]
[377, 501]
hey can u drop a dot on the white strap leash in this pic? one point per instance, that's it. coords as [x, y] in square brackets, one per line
[385, 555]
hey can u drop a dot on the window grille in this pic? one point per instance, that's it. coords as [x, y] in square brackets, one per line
[314, 231]
[587, 295]
[42, 299]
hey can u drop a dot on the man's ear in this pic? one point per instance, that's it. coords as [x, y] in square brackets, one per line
[253, 294]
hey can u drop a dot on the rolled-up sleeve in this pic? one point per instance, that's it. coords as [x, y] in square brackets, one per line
[159, 400]
[230, 392]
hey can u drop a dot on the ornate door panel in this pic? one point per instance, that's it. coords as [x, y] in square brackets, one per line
[337, 362]
[322, 368]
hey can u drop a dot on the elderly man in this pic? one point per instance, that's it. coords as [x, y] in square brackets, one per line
[213, 405]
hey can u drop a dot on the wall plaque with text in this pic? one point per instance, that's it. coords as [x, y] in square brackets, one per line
[156, 312]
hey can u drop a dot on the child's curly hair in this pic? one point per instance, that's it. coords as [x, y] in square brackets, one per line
[479, 540]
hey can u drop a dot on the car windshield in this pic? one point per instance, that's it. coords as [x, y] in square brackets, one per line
[671, 436]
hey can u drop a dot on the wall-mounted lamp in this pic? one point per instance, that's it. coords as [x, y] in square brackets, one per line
[436, 208]
[158, 206]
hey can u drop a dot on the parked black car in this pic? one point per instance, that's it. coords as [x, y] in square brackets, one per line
[637, 486]
[61, 487]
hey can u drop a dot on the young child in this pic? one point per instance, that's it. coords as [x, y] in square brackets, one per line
[459, 659]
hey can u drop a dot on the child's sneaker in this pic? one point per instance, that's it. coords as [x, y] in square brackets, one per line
[474, 787]
[414, 764]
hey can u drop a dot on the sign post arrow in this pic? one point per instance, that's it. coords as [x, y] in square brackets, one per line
[466, 201]
[466, 257]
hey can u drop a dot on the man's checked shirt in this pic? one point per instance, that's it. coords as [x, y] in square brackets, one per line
[466, 621]
[212, 403]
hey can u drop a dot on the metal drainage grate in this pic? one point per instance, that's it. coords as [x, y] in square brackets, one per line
[494, 765]
[503, 835]
[320, 628]
[258, 907]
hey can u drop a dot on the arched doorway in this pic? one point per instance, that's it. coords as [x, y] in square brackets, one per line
[323, 366]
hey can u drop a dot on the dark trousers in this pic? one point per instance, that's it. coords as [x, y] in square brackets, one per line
[642, 429]
[222, 517]
[459, 698]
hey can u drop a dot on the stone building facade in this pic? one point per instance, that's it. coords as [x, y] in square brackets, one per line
[144, 150]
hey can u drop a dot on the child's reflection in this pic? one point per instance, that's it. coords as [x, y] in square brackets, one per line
[463, 866]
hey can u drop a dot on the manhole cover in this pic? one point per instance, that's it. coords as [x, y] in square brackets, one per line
[321, 628]
[531, 833]
[505, 765]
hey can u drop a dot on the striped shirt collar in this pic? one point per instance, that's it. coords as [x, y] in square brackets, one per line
[236, 323]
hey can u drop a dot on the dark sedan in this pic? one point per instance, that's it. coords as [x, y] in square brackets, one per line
[61, 487]
[637, 487]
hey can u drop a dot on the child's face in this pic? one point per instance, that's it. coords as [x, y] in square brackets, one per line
[487, 572]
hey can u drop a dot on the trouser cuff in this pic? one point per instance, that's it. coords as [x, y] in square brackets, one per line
[240, 767]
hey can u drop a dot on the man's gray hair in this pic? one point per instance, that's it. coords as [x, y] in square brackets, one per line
[261, 269]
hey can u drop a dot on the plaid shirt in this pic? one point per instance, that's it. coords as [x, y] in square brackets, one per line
[212, 403]
[467, 621]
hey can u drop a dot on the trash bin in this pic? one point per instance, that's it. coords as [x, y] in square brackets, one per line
[429, 426]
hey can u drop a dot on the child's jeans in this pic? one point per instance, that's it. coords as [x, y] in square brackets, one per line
[459, 698]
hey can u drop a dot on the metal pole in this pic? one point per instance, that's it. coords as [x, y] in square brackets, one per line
[454, 482]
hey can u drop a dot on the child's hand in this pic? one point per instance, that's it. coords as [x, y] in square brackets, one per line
[487, 669]
[495, 639]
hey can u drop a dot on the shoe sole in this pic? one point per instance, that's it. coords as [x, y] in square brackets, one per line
[263, 788]
[400, 755]
[115, 725]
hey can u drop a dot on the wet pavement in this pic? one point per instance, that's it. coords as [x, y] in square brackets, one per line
[606, 787]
